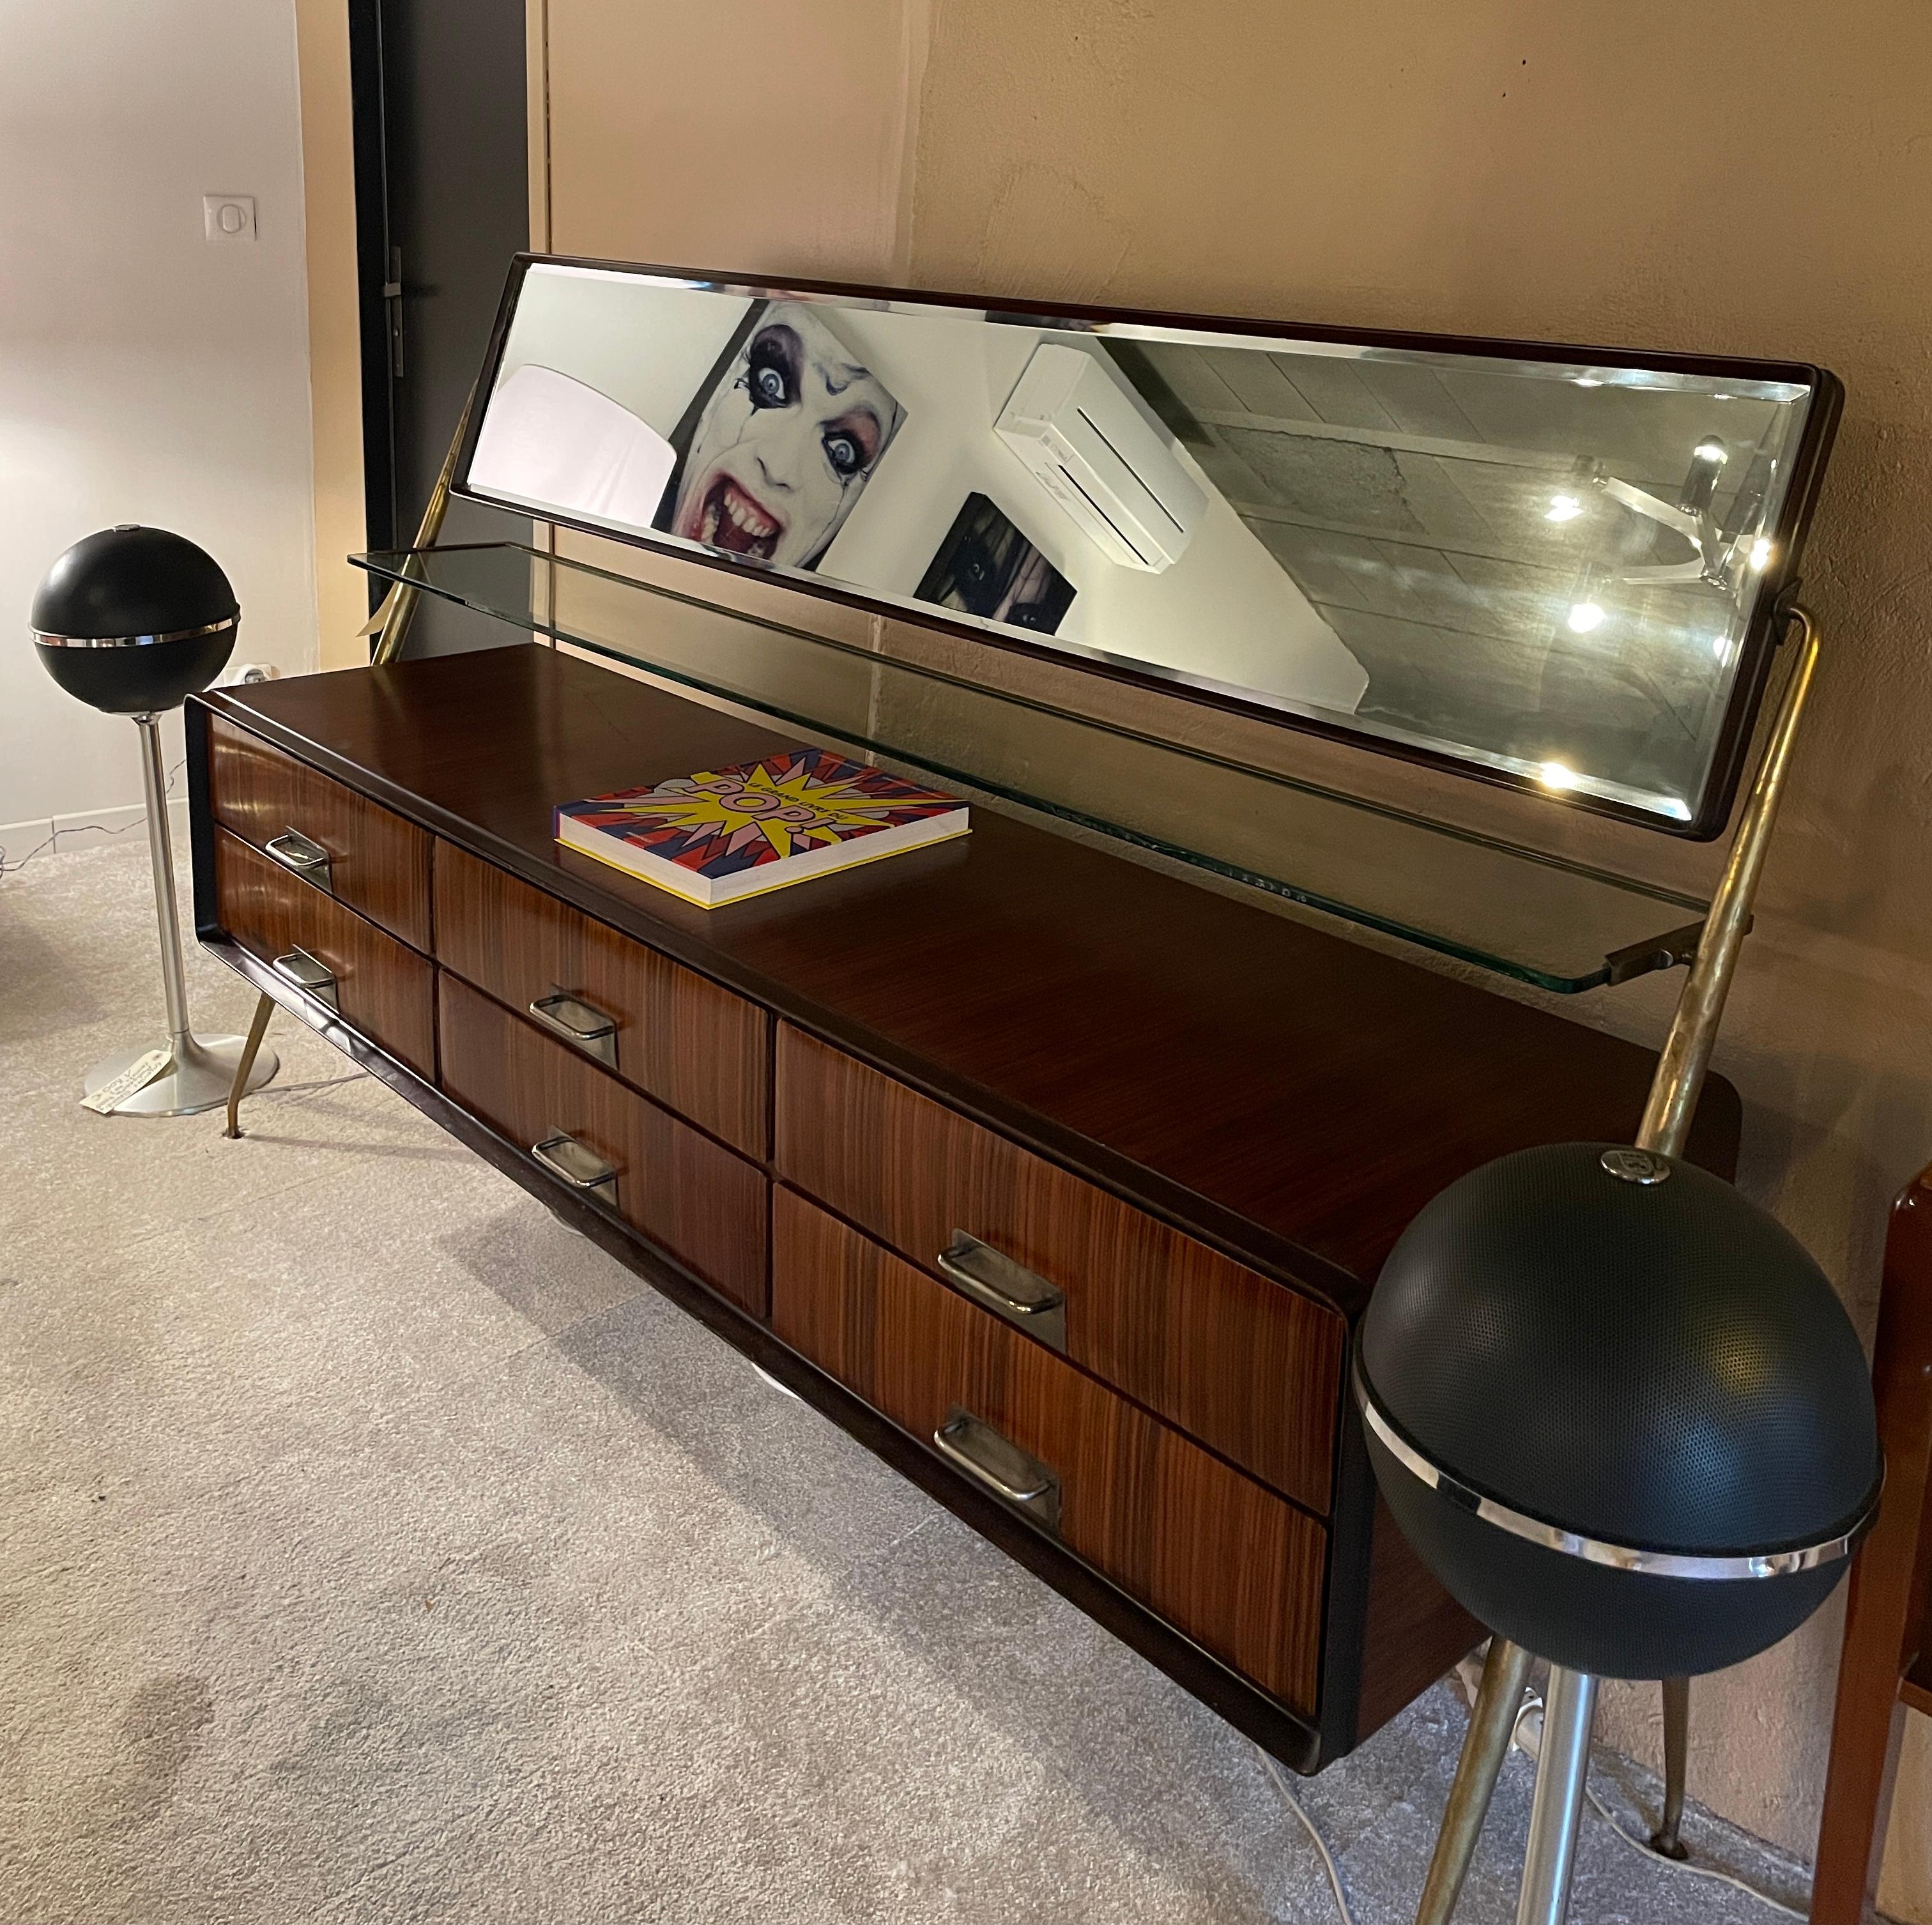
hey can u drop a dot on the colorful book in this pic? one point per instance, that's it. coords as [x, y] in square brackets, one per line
[730, 833]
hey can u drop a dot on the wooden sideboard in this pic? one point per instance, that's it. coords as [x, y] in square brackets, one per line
[1058, 1182]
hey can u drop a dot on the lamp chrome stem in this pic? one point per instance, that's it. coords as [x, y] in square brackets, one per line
[160, 851]
[1686, 1057]
[1556, 1814]
[1693, 1030]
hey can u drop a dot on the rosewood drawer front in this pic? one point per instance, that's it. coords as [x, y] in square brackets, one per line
[700, 1049]
[380, 989]
[1227, 1562]
[1247, 1365]
[707, 1207]
[350, 847]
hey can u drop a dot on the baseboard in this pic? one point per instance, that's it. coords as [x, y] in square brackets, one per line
[86, 829]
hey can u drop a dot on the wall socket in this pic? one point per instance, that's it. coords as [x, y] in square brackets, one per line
[240, 672]
[228, 217]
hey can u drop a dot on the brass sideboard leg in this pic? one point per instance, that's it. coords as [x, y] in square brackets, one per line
[258, 1029]
[1664, 1839]
[1505, 1672]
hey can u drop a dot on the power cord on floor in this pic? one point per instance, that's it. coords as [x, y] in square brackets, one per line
[49, 842]
[1532, 1707]
[1308, 1824]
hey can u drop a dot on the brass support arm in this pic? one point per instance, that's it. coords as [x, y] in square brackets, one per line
[390, 624]
[1693, 1030]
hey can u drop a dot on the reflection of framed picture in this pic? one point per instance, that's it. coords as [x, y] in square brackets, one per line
[776, 448]
[986, 567]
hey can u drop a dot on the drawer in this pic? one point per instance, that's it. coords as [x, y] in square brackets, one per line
[371, 858]
[381, 990]
[1226, 1561]
[1249, 1367]
[673, 1033]
[706, 1207]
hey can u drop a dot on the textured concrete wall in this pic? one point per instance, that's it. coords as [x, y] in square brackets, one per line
[1641, 173]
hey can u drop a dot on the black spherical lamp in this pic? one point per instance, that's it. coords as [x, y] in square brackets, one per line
[1621, 1413]
[133, 621]
[1619, 1410]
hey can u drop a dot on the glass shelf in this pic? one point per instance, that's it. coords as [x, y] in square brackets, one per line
[1527, 914]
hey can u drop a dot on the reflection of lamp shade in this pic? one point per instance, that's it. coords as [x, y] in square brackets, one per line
[1623, 1417]
[552, 441]
[133, 620]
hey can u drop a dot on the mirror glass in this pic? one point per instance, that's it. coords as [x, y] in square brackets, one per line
[1552, 572]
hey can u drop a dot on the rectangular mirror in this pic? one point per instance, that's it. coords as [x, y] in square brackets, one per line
[1551, 567]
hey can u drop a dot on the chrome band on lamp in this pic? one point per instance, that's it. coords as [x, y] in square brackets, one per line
[1595, 1551]
[228, 624]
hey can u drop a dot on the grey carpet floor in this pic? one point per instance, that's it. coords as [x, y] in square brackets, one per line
[373, 1549]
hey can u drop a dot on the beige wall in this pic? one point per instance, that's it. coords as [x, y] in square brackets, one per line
[335, 350]
[1754, 182]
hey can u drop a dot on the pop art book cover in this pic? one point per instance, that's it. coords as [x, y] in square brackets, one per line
[731, 833]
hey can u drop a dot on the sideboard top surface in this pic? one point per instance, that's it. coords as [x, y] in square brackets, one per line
[1281, 1090]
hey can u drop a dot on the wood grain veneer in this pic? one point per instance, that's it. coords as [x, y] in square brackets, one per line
[698, 1048]
[378, 863]
[383, 990]
[707, 1207]
[1245, 1364]
[1229, 1563]
[1292, 1096]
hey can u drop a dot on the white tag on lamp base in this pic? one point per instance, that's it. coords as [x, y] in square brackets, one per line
[137, 1075]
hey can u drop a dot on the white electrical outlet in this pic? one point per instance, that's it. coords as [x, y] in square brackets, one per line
[238, 673]
[228, 217]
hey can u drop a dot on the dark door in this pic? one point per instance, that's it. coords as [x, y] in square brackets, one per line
[443, 202]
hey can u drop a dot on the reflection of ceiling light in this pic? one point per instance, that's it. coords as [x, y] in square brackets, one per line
[1711, 450]
[1588, 381]
[1720, 648]
[1564, 508]
[1557, 775]
[1760, 554]
[1584, 616]
[1720, 397]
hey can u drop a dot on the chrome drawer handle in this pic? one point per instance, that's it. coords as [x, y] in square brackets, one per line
[580, 1024]
[578, 1165]
[309, 860]
[1000, 1465]
[311, 976]
[1008, 1289]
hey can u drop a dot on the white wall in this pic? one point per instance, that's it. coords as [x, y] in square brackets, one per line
[146, 375]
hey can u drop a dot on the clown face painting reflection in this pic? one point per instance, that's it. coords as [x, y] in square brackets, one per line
[794, 426]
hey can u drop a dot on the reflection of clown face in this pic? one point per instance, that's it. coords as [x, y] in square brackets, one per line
[786, 443]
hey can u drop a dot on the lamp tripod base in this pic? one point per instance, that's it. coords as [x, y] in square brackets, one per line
[199, 1078]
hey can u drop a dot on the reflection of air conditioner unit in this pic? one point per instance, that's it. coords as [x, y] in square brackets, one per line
[1081, 433]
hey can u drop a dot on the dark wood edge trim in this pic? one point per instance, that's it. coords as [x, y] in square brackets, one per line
[1351, 1553]
[1279, 1732]
[1274, 1257]
[200, 819]
[1759, 644]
